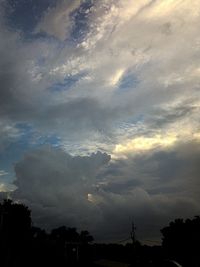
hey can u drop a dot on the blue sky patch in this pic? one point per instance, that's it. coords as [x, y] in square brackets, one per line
[24, 14]
[29, 139]
[80, 17]
[128, 81]
[67, 83]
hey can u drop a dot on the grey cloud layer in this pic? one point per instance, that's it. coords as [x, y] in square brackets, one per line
[150, 189]
[58, 184]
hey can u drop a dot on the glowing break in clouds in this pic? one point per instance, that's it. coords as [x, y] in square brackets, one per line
[116, 77]
[142, 144]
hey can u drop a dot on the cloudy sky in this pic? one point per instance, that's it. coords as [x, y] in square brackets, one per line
[99, 112]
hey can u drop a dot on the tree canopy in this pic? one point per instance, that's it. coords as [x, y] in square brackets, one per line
[181, 240]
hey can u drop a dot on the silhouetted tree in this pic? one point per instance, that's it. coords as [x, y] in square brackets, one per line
[65, 234]
[85, 237]
[181, 241]
[15, 231]
[21, 244]
[38, 233]
[15, 219]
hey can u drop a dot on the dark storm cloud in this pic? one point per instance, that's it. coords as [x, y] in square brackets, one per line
[54, 183]
[175, 168]
[56, 186]
[158, 192]
[121, 187]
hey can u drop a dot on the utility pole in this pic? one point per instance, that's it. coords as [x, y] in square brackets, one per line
[134, 247]
[133, 238]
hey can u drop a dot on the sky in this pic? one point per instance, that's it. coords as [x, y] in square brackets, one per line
[99, 113]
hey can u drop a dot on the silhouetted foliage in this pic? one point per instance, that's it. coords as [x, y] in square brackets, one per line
[65, 234]
[22, 244]
[181, 241]
[15, 232]
[38, 234]
[85, 237]
[15, 219]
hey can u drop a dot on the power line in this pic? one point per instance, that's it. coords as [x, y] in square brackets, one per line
[152, 241]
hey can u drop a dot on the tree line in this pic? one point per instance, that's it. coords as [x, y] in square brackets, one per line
[22, 244]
